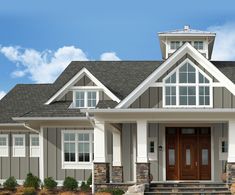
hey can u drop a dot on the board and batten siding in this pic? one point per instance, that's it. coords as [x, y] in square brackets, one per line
[18, 167]
[152, 98]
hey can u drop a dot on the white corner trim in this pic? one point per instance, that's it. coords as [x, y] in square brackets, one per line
[155, 75]
[80, 74]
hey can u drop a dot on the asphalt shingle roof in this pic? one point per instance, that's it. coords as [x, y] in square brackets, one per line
[120, 77]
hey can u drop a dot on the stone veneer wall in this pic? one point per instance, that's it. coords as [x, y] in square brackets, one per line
[117, 174]
[142, 173]
[101, 173]
[231, 173]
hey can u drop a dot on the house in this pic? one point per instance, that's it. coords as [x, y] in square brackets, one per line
[126, 121]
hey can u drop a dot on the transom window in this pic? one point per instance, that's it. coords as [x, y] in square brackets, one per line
[77, 148]
[187, 86]
[85, 99]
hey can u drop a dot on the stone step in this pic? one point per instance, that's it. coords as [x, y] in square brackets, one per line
[190, 193]
[182, 184]
[182, 189]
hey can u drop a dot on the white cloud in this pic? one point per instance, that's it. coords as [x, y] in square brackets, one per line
[2, 94]
[224, 48]
[42, 67]
[45, 66]
[109, 56]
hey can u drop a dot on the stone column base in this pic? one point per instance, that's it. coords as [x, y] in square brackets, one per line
[101, 173]
[117, 174]
[230, 173]
[142, 173]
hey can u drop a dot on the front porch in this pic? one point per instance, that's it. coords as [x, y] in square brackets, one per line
[129, 152]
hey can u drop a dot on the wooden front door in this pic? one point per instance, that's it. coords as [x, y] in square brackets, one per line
[188, 154]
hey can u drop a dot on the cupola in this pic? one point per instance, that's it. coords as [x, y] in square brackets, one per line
[170, 41]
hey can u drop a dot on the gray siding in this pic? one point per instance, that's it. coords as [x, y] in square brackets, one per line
[53, 158]
[18, 167]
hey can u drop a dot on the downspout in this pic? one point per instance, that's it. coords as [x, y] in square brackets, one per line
[30, 128]
[93, 125]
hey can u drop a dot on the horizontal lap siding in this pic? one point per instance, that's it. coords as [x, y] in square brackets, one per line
[53, 158]
[18, 167]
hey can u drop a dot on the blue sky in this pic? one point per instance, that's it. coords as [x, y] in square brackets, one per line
[39, 38]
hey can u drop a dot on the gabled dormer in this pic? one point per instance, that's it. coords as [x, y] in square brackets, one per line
[170, 41]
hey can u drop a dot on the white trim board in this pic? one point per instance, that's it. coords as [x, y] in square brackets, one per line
[154, 76]
[78, 76]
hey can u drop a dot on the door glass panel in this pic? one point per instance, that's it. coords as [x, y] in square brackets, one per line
[188, 131]
[172, 156]
[204, 156]
[188, 156]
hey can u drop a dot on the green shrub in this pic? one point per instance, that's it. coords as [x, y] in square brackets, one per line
[10, 183]
[89, 180]
[84, 187]
[50, 183]
[70, 183]
[32, 181]
[29, 191]
[113, 191]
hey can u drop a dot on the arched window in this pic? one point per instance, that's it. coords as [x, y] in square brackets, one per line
[187, 86]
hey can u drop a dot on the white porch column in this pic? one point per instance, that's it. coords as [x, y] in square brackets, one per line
[231, 141]
[142, 164]
[101, 166]
[41, 159]
[142, 142]
[117, 159]
[100, 146]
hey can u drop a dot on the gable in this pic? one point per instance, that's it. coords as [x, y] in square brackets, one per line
[219, 78]
[82, 80]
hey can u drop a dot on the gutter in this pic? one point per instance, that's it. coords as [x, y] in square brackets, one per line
[47, 118]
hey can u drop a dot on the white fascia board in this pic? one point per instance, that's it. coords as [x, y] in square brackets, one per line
[49, 118]
[161, 110]
[12, 124]
[153, 77]
[186, 48]
[80, 74]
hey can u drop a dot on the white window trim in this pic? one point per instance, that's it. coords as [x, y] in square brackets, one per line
[153, 156]
[6, 148]
[222, 155]
[32, 154]
[14, 147]
[85, 97]
[76, 164]
[197, 85]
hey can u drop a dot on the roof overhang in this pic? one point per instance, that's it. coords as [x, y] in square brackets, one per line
[49, 118]
[160, 114]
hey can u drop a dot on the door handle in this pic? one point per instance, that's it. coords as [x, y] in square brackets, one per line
[196, 163]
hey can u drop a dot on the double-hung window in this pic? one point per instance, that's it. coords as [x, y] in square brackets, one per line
[198, 45]
[175, 45]
[187, 86]
[18, 145]
[4, 146]
[85, 99]
[34, 145]
[77, 149]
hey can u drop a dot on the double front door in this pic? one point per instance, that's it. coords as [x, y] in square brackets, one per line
[188, 153]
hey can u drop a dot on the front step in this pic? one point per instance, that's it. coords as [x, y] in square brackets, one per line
[202, 188]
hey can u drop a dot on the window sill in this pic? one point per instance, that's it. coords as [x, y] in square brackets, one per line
[76, 165]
